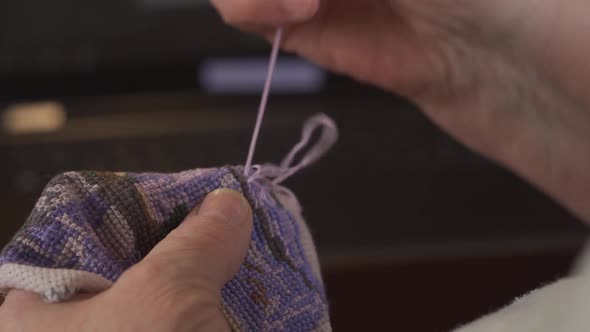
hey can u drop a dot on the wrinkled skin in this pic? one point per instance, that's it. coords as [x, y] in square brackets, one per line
[507, 78]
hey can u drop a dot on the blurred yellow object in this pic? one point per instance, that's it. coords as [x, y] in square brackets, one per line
[31, 118]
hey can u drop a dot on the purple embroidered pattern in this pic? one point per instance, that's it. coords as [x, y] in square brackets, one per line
[87, 228]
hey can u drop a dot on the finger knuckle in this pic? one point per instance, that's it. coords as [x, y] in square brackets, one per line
[151, 272]
[205, 233]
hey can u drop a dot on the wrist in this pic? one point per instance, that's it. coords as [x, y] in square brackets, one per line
[515, 115]
[546, 139]
[556, 155]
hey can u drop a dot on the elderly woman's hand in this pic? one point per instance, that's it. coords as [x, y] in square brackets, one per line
[177, 287]
[509, 78]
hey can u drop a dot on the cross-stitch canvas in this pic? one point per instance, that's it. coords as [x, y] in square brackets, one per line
[87, 228]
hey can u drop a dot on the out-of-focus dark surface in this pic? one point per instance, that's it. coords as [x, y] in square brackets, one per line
[408, 223]
[435, 295]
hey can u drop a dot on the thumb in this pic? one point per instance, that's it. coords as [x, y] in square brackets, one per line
[209, 246]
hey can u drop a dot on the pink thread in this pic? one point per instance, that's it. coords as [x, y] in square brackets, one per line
[263, 102]
[268, 176]
[328, 138]
[273, 175]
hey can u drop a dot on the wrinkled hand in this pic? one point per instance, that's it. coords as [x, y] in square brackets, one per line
[508, 78]
[175, 288]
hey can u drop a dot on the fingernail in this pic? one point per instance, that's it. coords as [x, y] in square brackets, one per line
[299, 9]
[226, 204]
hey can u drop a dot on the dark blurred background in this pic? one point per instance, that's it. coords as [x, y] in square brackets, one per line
[415, 232]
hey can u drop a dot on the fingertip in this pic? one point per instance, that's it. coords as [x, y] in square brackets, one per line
[226, 205]
[266, 13]
[300, 10]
